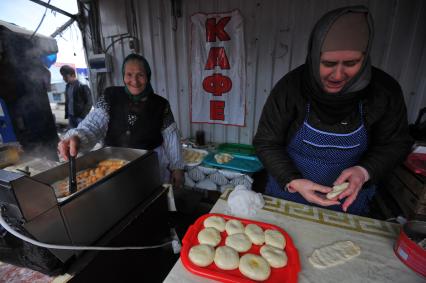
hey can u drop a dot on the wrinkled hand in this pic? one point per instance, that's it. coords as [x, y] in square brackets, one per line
[69, 146]
[177, 178]
[308, 191]
[356, 178]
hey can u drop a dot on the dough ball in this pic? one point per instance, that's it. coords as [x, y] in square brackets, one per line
[275, 238]
[255, 234]
[275, 257]
[201, 255]
[254, 267]
[215, 222]
[239, 242]
[226, 258]
[209, 236]
[234, 226]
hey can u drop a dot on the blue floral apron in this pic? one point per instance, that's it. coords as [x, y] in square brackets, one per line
[321, 157]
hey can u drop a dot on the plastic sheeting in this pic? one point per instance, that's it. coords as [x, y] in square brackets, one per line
[46, 45]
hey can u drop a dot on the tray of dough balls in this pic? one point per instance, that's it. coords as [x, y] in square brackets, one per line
[237, 162]
[231, 249]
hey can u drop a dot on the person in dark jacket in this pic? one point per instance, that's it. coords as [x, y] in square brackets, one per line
[78, 99]
[132, 116]
[334, 119]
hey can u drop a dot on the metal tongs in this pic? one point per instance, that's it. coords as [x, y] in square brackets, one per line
[72, 174]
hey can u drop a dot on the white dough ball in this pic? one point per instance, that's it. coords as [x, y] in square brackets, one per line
[239, 242]
[209, 236]
[254, 267]
[226, 258]
[275, 238]
[274, 256]
[215, 222]
[255, 234]
[201, 255]
[234, 226]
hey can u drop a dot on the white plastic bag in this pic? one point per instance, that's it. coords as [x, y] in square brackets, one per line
[245, 202]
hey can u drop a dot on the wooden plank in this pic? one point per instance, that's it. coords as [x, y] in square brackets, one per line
[412, 183]
[405, 198]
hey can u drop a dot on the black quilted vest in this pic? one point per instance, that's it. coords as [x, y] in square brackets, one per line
[134, 124]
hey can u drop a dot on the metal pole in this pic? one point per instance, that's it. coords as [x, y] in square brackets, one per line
[54, 8]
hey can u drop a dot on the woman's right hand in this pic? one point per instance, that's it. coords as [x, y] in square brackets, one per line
[68, 146]
[308, 191]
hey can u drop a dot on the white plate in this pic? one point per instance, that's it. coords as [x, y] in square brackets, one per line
[202, 153]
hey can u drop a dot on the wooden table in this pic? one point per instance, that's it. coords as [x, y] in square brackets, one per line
[311, 228]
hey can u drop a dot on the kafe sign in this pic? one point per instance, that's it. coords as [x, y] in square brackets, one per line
[218, 74]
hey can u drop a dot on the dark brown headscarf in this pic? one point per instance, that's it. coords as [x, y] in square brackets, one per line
[334, 107]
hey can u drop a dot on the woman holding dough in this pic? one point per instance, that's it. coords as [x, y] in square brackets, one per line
[334, 119]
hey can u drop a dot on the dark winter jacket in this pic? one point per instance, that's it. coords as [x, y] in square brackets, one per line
[82, 102]
[384, 115]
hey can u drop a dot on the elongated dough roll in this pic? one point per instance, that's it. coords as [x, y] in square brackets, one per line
[334, 254]
[337, 190]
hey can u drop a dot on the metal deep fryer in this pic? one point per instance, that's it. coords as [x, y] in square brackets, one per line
[30, 206]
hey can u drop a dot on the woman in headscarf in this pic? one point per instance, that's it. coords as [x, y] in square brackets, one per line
[334, 119]
[131, 116]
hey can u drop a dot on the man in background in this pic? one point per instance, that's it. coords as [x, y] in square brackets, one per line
[78, 99]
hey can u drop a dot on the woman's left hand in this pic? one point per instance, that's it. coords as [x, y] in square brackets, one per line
[177, 178]
[356, 178]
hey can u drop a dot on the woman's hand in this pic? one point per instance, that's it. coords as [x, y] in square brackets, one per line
[177, 178]
[308, 191]
[356, 176]
[68, 146]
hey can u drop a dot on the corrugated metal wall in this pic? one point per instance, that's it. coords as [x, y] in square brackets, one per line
[276, 34]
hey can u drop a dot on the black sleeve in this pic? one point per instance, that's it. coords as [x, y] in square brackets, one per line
[168, 118]
[390, 141]
[270, 140]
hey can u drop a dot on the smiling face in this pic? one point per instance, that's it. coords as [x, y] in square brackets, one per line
[337, 68]
[135, 77]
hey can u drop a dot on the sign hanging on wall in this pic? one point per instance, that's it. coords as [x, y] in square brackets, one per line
[218, 74]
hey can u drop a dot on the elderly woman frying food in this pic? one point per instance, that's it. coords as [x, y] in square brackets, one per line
[131, 116]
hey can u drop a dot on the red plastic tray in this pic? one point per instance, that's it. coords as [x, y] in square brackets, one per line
[287, 273]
